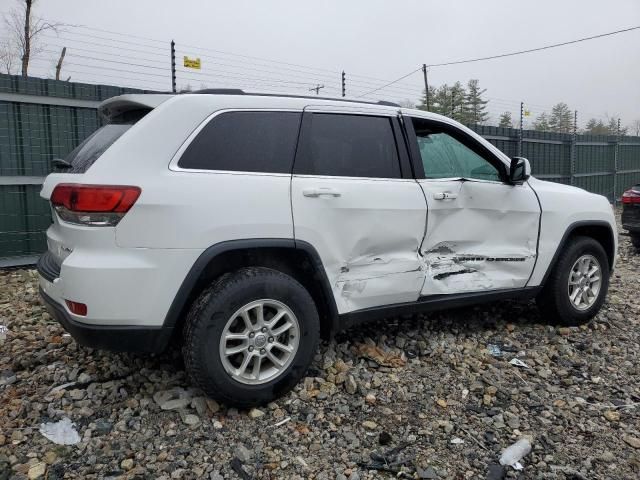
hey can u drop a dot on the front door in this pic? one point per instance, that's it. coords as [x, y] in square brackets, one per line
[482, 232]
[354, 201]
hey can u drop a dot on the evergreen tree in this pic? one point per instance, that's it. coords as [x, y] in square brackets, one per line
[458, 107]
[613, 127]
[423, 101]
[542, 123]
[505, 120]
[561, 119]
[475, 104]
[596, 127]
[441, 100]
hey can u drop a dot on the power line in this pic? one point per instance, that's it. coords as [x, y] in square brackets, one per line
[546, 47]
[391, 83]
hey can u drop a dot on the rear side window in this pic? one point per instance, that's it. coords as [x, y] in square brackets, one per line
[347, 146]
[245, 142]
[86, 154]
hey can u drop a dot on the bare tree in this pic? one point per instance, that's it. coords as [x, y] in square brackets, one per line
[635, 127]
[25, 30]
[8, 56]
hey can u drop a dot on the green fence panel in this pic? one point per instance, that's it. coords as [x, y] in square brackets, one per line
[33, 133]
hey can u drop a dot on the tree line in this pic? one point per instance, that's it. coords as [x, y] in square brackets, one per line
[464, 103]
[467, 104]
[561, 119]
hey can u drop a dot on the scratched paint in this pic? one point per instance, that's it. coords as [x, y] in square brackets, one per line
[450, 269]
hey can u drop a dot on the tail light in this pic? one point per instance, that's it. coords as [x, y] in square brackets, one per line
[93, 205]
[631, 196]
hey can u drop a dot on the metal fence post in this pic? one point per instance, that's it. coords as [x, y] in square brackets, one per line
[615, 165]
[574, 149]
[173, 66]
[520, 129]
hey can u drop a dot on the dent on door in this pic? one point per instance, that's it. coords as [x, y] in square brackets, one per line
[380, 269]
[484, 239]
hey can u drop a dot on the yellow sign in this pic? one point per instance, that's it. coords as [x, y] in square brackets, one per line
[192, 62]
[526, 112]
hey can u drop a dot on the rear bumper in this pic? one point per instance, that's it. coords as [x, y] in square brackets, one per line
[118, 338]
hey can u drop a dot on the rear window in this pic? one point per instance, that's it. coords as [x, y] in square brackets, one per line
[245, 142]
[86, 154]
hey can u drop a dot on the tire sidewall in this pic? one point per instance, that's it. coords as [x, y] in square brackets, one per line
[584, 246]
[217, 313]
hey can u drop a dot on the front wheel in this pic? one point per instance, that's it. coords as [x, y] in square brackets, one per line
[251, 336]
[578, 284]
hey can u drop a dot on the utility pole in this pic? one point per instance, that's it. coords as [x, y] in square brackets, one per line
[426, 85]
[317, 89]
[173, 66]
[344, 84]
[520, 130]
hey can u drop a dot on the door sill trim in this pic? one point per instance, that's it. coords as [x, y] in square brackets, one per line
[434, 302]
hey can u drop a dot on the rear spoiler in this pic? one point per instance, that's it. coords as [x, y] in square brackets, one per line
[124, 103]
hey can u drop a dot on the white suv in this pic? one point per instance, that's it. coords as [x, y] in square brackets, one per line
[247, 225]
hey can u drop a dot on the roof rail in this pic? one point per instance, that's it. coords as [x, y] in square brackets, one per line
[238, 91]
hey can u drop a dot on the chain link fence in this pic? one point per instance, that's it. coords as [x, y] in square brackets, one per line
[43, 119]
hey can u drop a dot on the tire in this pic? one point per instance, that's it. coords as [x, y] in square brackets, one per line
[635, 240]
[214, 319]
[554, 301]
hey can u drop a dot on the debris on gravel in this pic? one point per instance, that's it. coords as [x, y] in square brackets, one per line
[429, 396]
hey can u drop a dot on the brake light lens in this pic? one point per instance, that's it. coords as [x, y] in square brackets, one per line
[77, 308]
[93, 205]
[631, 196]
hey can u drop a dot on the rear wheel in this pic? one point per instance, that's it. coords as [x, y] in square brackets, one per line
[251, 336]
[635, 240]
[578, 284]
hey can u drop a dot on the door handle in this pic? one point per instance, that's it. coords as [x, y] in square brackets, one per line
[316, 192]
[445, 196]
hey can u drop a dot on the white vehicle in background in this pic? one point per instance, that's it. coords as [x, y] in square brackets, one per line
[248, 225]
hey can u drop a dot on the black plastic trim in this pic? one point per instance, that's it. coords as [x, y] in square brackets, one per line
[434, 302]
[565, 237]
[118, 338]
[190, 281]
[48, 267]
[321, 277]
[401, 146]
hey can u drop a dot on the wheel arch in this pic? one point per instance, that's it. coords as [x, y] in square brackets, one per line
[601, 231]
[298, 259]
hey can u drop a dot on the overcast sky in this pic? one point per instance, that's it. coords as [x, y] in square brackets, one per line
[373, 38]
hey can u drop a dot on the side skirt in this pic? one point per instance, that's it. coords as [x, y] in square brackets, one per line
[433, 303]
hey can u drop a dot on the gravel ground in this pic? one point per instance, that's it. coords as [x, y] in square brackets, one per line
[420, 397]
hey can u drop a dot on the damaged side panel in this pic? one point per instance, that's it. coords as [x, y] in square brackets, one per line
[484, 239]
[368, 237]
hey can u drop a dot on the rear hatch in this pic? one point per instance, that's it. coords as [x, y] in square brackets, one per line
[84, 212]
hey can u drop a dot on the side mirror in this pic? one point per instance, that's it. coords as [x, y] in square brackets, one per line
[519, 171]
